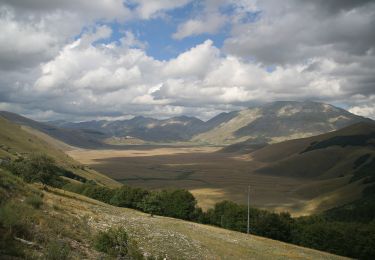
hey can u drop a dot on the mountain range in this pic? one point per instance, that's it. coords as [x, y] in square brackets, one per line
[269, 123]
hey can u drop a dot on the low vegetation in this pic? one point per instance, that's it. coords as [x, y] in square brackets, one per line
[115, 242]
[36, 201]
[57, 250]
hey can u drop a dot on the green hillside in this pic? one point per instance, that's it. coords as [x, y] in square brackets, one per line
[15, 142]
[77, 137]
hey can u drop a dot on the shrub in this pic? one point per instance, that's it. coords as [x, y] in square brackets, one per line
[113, 242]
[57, 250]
[35, 201]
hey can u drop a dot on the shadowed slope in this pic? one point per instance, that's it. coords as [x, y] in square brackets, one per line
[16, 142]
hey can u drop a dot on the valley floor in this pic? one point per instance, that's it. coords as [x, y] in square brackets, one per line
[210, 175]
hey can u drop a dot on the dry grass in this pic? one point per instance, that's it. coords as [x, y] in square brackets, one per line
[91, 156]
[207, 197]
[177, 239]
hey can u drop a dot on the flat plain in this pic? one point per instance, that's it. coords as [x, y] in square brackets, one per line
[212, 176]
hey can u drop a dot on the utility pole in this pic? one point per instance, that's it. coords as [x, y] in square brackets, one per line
[248, 210]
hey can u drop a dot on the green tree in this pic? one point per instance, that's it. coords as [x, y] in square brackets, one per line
[172, 203]
[98, 192]
[129, 197]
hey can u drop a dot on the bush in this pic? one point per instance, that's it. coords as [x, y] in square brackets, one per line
[113, 242]
[57, 250]
[35, 201]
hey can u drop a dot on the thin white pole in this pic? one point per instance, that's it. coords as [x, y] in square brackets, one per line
[248, 210]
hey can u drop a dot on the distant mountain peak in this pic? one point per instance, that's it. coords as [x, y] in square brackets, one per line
[278, 121]
[272, 122]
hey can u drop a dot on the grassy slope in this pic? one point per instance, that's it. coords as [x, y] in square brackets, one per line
[284, 149]
[290, 158]
[75, 218]
[76, 137]
[332, 167]
[14, 141]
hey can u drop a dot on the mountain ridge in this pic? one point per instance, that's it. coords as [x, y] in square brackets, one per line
[269, 123]
[279, 121]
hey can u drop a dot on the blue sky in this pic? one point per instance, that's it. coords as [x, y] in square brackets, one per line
[157, 32]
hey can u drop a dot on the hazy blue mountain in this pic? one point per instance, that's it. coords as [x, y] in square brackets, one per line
[180, 128]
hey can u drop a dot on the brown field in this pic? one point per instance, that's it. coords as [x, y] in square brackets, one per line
[211, 176]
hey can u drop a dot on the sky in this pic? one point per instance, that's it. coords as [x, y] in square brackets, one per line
[111, 59]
